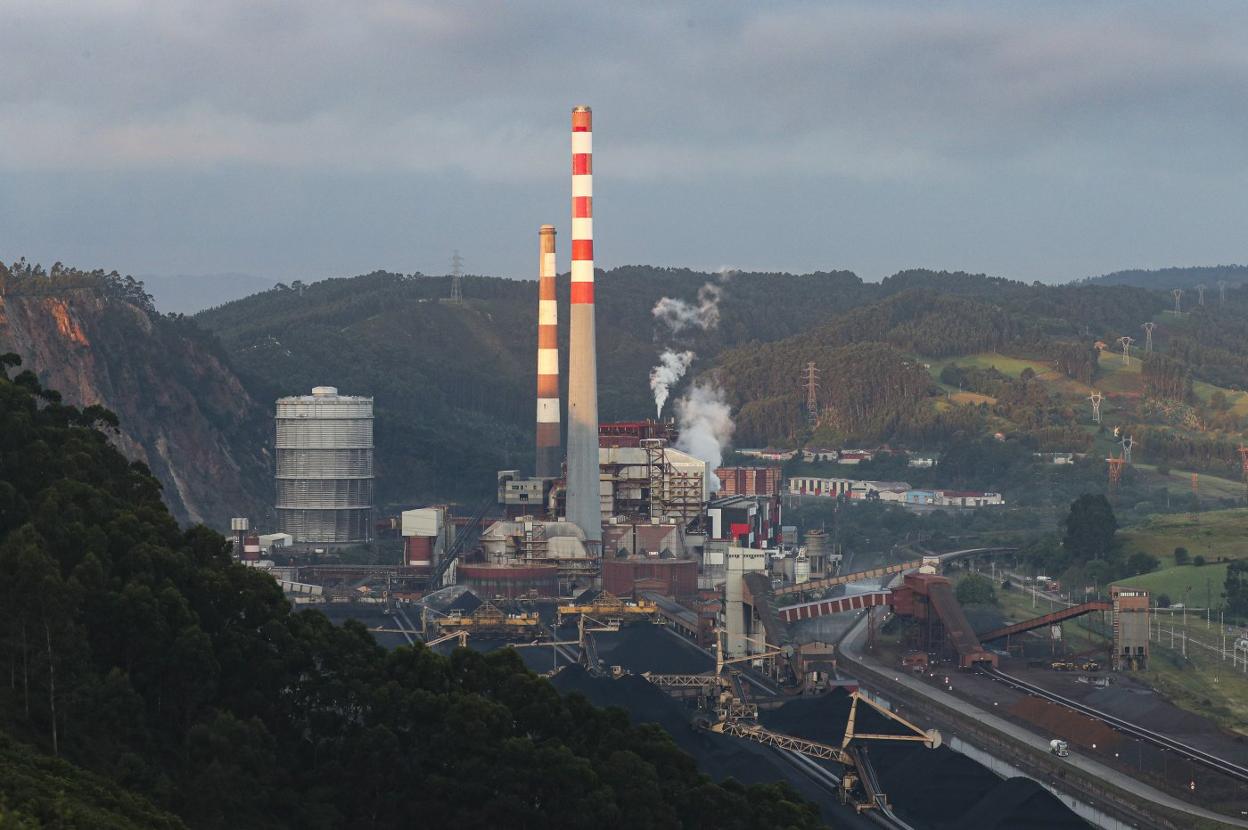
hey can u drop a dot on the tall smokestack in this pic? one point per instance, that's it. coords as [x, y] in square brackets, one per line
[584, 505]
[549, 443]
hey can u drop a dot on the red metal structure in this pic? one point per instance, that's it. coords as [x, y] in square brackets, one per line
[823, 607]
[1048, 619]
[929, 599]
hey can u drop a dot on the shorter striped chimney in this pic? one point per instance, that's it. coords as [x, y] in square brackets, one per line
[549, 443]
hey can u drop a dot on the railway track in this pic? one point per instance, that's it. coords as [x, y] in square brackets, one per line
[1199, 756]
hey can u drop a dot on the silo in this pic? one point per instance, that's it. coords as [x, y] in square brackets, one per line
[325, 467]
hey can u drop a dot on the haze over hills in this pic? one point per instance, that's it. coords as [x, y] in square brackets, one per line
[918, 359]
[190, 293]
[1166, 279]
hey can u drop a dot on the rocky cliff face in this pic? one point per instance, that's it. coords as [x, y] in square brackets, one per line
[183, 411]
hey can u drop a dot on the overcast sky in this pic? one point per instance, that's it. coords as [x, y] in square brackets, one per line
[304, 139]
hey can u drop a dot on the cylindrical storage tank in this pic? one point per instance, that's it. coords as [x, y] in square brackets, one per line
[801, 569]
[817, 551]
[325, 467]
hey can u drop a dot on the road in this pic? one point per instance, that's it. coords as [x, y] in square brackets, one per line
[851, 646]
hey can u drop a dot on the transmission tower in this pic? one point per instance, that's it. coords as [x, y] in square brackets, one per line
[1126, 342]
[1243, 461]
[1200, 294]
[1222, 292]
[1115, 474]
[457, 278]
[1148, 336]
[1127, 443]
[1195, 498]
[1096, 398]
[810, 381]
[1178, 300]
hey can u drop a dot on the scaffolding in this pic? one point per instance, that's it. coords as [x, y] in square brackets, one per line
[672, 493]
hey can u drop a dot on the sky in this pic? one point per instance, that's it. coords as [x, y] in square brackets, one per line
[1034, 140]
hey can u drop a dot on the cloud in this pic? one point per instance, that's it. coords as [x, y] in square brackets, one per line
[870, 91]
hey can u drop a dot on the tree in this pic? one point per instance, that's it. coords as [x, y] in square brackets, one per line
[1163, 600]
[1181, 556]
[976, 589]
[1142, 563]
[1198, 560]
[1089, 528]
[1027, 374]
[1236, 588]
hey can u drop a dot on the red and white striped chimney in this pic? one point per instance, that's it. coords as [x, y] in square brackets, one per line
[583, 499]
[549, 443]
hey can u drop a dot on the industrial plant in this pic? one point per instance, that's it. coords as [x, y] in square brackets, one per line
[633, 526]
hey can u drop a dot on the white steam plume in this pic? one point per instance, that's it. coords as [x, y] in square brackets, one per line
[705, 426]
[679, 315]
[671, 368]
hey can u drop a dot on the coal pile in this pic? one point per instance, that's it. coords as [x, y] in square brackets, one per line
[644, 648]
[718, 756]
[1019, 804]
[932, 789]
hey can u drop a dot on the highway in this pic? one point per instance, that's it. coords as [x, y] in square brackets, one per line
[851, 650]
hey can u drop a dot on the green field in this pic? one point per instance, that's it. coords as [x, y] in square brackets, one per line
[1215, 534]
[1193, 586]
[1009, 366]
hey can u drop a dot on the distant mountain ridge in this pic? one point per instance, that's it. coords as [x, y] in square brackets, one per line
[1166, 279]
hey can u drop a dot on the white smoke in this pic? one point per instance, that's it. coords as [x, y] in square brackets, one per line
[705, 426]
[672, 367]
[679, 315]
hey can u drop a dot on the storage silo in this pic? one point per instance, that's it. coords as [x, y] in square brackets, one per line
[325, 467]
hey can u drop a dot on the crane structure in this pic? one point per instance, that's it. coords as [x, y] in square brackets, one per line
[610, 607]
[1148, 336]
[1096, 398]
[462, 636]
[1126, 342]
[857, 772]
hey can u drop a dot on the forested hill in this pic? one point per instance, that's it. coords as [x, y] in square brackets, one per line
[142, 653]
[97, 337]
[889, 370]
[454, 385]
[1167, 279]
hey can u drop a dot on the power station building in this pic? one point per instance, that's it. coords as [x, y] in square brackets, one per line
[325, 467]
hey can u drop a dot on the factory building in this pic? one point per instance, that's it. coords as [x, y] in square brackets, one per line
[555, 554]
[427, 534]
[632, 433]
[1131, 627]
[745, 521]
[325, 467]
[749, 481]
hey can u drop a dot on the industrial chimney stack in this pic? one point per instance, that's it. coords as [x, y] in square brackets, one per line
[549, 443]
[583, 500]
